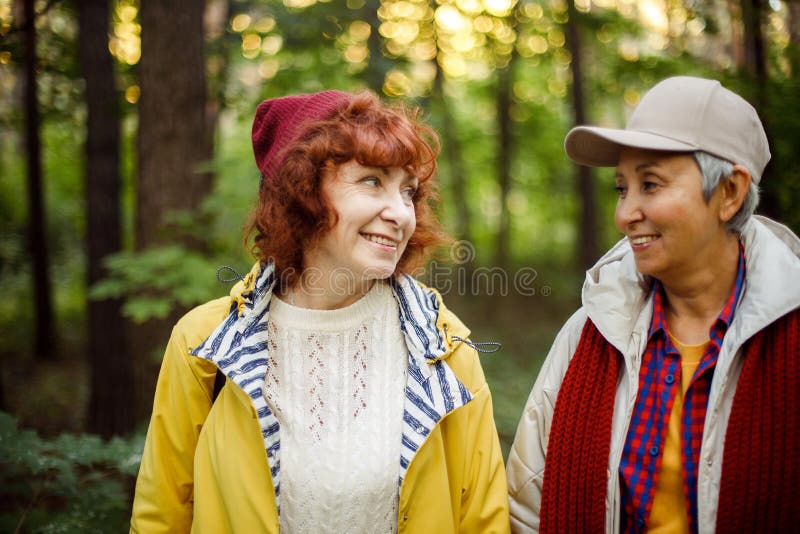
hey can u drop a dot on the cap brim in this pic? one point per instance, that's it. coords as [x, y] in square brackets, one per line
[599, 147]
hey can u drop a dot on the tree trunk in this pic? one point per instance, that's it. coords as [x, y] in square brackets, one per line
[111, 401]
[218, 46]
[453, 152]
[172, 127]
[375, 73]
[171, 117]
[587, 242]
[755, 60]
[794, 37]
[737, 37]
[756, 70]
[502, 254]
[44, 341]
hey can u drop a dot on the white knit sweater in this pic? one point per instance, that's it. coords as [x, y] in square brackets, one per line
[335, 383]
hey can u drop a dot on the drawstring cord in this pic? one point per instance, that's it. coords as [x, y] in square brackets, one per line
[224, 268]
[486, 347]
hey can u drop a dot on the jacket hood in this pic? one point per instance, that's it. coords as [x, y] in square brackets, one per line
[438, 332]
[238, 346]
[772, 283]
[616, 296]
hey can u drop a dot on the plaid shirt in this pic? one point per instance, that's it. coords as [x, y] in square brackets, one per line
[659, 380]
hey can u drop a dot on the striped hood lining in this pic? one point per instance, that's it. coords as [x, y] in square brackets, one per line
[238, 347]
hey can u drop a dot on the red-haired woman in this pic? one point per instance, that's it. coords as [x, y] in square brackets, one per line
[352, 402]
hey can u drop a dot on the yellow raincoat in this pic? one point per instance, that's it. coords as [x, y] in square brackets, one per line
[204, 467]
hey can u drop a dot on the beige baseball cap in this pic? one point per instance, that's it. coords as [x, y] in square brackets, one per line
[680, 114]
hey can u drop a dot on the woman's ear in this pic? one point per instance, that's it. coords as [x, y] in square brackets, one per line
[733, 191]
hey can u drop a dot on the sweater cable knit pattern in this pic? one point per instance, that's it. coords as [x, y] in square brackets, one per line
[335, 382]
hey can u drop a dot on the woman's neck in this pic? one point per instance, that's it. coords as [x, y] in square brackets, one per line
[693, 303]
[325, 293]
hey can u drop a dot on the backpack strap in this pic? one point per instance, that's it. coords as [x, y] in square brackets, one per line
[219, 382]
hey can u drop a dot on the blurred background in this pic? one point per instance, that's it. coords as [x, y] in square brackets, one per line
[126, 175]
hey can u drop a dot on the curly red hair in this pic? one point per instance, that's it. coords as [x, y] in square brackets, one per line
[292, 213]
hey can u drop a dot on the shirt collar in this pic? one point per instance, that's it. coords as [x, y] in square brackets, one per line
[725, 317]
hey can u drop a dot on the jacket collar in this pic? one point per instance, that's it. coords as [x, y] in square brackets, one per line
[239, 348]
[772, 254]
[618, 298]
[615, 296]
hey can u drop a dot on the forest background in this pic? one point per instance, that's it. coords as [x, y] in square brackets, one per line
[126, 174]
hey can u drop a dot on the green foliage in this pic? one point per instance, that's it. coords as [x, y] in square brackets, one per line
[175, 276]
[156, 281]
[65, 225]
[783, 174]
[620, 61]
[73, 483]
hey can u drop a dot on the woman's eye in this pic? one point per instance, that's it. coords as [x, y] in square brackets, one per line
[409, 193]
[649, 186]
[621, 190]
[371, 181]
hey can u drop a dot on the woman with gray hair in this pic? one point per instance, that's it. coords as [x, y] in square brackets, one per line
[669, 402]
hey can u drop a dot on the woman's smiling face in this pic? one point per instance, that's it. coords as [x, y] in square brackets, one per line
[672, 229]
[375, 218]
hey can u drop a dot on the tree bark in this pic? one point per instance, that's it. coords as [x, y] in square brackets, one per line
[794, 37]
[375, 73]
[217, 16]
[755, 60]
[171, 117]
[737, 35]
[502, 254]
[587, 242]
[44, 342]
[172, 127]
[111, 401]
[455, 161]
[756, 71]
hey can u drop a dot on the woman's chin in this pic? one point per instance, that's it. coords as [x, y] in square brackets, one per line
[380, 270]
[378, 274]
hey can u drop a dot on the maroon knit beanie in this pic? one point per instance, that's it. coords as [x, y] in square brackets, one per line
[280, 122]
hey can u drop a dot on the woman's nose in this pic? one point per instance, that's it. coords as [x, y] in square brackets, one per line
[629, 211]
[398, 209]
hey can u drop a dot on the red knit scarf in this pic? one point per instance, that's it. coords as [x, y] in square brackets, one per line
[760, 486]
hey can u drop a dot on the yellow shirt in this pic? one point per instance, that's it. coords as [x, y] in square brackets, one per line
[669, 514]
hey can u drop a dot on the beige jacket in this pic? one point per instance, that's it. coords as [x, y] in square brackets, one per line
[617, 299]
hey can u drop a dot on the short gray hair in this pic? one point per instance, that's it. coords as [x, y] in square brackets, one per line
[714, 170]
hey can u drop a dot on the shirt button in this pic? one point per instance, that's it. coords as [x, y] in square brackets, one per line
[640, 521]
[669, 379]
[654, 450]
